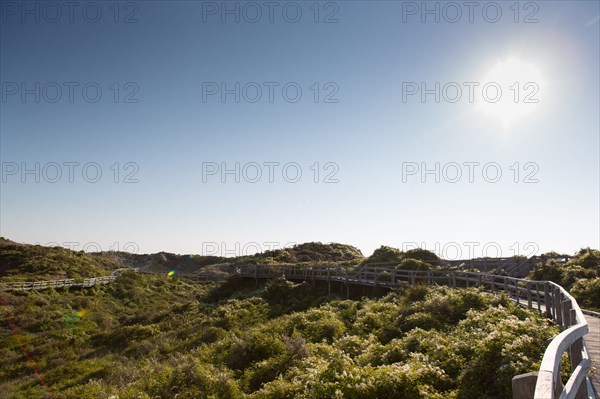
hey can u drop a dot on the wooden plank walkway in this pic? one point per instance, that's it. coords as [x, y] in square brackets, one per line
[592, 340]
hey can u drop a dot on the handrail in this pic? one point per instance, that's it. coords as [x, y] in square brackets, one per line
[70, 282]
[549, 374]
[559, 306]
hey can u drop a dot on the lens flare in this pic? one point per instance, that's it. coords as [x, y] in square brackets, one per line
[70, 319]
[171, 273]
[514, 87]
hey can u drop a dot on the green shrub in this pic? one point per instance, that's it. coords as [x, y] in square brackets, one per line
[550, 271]
[574, 276]
[416, 292]
[252, 347]
[423, 320]
[240, 314]
[422, 255]
[315, 325]
[386, 254]
[499, 345]
[589, 259]
[414, 264]
[587, 292]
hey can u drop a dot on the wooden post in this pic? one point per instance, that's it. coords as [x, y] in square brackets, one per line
[529, 301]
[568, 322]
[566, 308]
[576, 351]
[523, 386]
[347, 285]
[393, 277]
[547, 300]
[537, 297]
[575, 356]
[558, 307]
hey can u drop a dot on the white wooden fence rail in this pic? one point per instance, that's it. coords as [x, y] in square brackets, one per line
[64, 283]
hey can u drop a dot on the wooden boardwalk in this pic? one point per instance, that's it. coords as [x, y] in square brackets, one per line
[592, 339]
[63, 283]
[547, 297]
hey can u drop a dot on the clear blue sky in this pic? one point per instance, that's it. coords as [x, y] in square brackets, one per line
[172, 53]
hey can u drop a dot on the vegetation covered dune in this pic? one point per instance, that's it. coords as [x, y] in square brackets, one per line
[24, 262]
[146, 336]
[151, 335]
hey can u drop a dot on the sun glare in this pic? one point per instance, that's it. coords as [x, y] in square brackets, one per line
[510, 90]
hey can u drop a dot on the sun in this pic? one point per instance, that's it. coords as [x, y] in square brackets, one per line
[511, 90]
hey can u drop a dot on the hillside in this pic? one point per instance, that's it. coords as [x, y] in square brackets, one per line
[411, 260]
[164, 262]
[311, 252]
[148, 336]
[190, 265]
[24, 262]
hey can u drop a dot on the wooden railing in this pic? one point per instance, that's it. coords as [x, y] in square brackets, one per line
[546, 296]
[513, 266]
[571, 318]
[90, 282]
[64, 283]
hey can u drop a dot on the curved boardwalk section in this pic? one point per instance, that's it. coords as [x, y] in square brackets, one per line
[546, 296]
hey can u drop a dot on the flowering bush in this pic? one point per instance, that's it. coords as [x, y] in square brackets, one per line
[425, 342]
